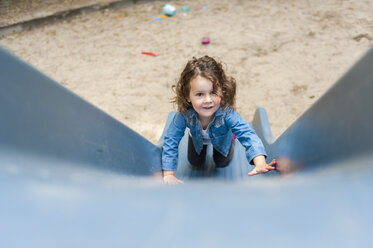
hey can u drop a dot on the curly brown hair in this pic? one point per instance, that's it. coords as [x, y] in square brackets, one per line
[209, 68]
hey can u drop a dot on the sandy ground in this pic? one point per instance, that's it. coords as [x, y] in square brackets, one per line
[17, 11]
[284, 54]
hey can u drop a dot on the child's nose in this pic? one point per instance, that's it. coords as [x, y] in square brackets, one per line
[208, 98]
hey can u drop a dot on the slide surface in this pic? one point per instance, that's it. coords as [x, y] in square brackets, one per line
[72, 176]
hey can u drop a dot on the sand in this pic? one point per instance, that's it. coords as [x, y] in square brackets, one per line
[284, 54]
[20, 11]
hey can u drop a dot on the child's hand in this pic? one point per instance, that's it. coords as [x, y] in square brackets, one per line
[169, 178]
[261, 166]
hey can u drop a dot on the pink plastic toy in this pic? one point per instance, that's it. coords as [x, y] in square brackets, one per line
[205, 40]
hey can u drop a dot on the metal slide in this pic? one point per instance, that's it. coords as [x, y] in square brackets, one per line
[72, 176]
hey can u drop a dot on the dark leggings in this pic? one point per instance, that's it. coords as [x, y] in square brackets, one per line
[197, 161]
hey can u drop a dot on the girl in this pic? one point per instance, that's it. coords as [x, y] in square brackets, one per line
[205, 99]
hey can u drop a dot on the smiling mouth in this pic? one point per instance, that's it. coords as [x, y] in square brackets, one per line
[207, 107]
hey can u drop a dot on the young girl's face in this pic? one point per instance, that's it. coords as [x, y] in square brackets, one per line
[204, 99]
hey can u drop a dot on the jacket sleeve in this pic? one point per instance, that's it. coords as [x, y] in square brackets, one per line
[246, 135]
[170, 147]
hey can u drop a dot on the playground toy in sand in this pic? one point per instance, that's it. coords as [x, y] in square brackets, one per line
[150, 53]
[169, 10]
[185, 9]
[205, 40]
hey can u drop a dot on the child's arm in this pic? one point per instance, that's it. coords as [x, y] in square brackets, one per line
[261, 166]
[172, 138]
[169, 177]
[255, 151]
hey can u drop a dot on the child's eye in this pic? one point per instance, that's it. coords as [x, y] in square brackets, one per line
[199, 94]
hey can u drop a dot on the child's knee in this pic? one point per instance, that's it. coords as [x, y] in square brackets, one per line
[222, 165]
[222, 161]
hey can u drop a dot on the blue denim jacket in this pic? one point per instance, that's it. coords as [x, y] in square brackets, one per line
[224, 124]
